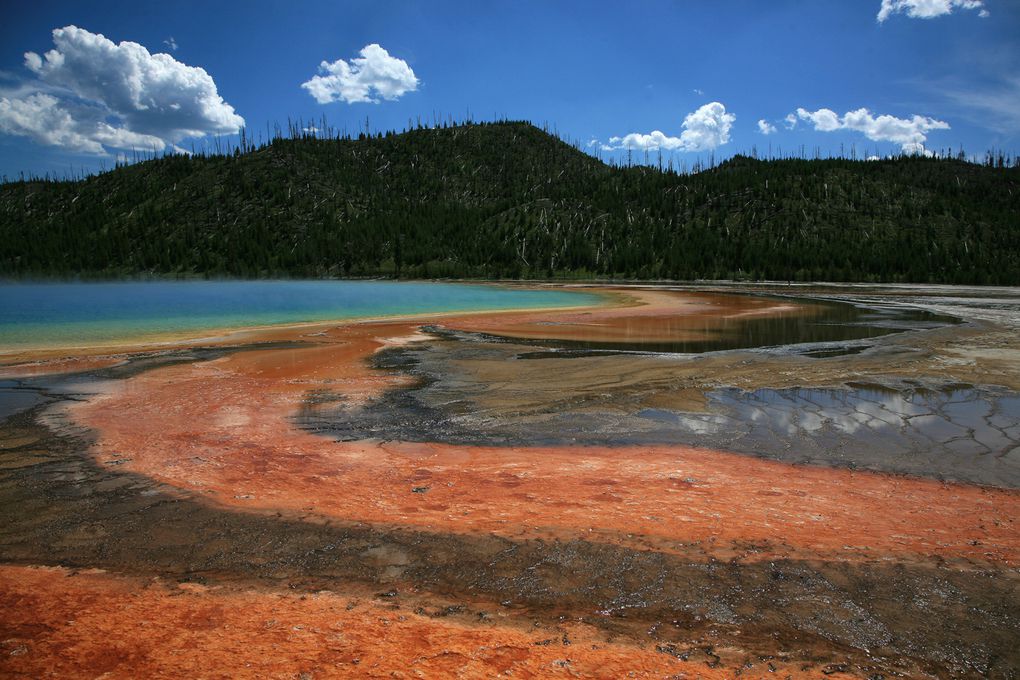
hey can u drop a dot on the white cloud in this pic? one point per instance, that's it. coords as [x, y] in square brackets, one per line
[47, 120]
[40, 117]
[917, 149]
[927, 9]
[825, 120]
[171, 43]
[153, 93]
[650, 142]
[911, 133]
[373, 76]
[92, 94]
[765, 127]
[791, 121]
[703, 130]
[995, 107]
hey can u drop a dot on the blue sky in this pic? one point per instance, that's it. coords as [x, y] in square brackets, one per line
[605, 74]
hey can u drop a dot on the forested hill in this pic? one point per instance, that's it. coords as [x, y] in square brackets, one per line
[508, 200]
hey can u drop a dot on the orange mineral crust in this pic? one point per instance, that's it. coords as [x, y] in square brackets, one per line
[61, 624]
[224, 429]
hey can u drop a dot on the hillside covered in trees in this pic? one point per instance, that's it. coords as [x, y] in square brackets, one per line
[507, 200]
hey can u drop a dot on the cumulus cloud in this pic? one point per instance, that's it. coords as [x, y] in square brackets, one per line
[825, 120]
[46, 120]
[703, 130]
[153, 93]
[910, 133]
[765, 127]
[41, 117]
[373, 76]
[927, 9]
[92, 94]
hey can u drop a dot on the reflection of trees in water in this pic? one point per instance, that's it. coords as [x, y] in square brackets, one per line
[830, 322]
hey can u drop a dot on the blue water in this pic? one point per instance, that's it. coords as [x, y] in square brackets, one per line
[74, 314]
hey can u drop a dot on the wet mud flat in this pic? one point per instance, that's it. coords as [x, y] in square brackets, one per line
[949, 431]
[561, 602]
[927, 427]
[872, 619]
[812, 326]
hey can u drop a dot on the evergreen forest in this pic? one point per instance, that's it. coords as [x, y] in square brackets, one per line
[508, 200]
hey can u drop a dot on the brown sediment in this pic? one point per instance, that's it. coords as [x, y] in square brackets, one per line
[60, 508]
[868, 573]
[240, 448]
[223, 428]
[658, 316]
[39, 364]
[60, 623]
[476, 391]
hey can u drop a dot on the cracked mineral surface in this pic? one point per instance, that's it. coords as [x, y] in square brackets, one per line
[680, 483]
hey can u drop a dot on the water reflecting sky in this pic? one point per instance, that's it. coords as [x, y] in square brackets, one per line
[956, 432]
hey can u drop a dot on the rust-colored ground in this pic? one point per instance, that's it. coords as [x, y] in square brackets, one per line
[224, 429]
[63, 624]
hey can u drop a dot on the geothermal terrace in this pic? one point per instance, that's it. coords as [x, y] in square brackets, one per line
[679, 482]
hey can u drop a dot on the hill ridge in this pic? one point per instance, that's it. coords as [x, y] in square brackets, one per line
[509, 200]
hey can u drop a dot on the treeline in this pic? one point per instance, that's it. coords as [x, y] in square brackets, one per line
[507, 200]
